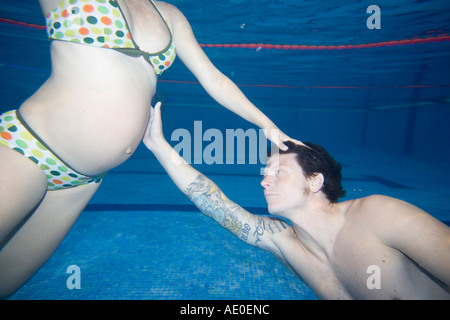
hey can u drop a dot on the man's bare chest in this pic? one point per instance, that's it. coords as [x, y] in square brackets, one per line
[367, 269]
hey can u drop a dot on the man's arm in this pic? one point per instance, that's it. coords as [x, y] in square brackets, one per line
[256, 230]
[252, 229]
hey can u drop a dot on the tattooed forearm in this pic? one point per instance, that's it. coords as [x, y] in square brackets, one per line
[213, 203]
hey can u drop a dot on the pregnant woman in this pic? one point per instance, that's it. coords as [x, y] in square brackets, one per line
[89, 117]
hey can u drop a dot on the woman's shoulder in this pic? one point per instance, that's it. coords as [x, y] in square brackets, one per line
[167, 8]
[48, 5]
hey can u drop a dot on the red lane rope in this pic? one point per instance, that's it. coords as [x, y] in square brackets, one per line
[276, 86]
[339, 47]
[322, 87]
[259, 46]
[23, 24]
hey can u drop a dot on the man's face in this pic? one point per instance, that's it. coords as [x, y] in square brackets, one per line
[285, 186]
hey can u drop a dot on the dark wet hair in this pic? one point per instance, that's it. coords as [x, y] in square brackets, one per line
[316, 159]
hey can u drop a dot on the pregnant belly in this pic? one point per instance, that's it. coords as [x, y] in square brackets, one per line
[91, 140]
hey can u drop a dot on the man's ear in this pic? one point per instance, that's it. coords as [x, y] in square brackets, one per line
[316, 182]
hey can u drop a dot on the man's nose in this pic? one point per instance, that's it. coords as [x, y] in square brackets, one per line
[267, 181]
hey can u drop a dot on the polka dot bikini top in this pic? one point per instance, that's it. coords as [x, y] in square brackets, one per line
[101, 23]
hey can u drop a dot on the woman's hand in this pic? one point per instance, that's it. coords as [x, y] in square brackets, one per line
[278, 137]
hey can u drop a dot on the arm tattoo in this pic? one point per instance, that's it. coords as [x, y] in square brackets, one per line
[213, 203]
[210, 200]
[264, 224]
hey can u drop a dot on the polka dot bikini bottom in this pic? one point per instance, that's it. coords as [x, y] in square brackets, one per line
[15, 134]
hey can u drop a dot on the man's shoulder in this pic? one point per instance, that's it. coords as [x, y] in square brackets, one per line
[380, 211]
[377, 202]
[373, 208]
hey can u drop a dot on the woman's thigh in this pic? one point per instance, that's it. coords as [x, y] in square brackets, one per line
[22, 187]
[40, 235]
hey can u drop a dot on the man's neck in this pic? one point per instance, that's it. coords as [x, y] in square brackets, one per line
[317, 226]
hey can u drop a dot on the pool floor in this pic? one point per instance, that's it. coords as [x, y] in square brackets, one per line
[140, 238]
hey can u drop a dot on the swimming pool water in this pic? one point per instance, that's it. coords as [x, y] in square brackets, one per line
[381, 108]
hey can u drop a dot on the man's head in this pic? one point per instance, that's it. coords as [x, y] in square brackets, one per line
[310, 169]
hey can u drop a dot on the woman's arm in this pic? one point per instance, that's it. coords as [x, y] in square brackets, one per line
[216, 84]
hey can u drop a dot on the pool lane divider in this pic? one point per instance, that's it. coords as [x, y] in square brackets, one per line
[259, 46]
[332, 47]
[268, 85]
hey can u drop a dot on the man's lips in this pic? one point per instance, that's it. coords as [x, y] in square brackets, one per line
[269, 195]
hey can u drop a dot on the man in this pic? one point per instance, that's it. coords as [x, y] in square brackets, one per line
[370, 248]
